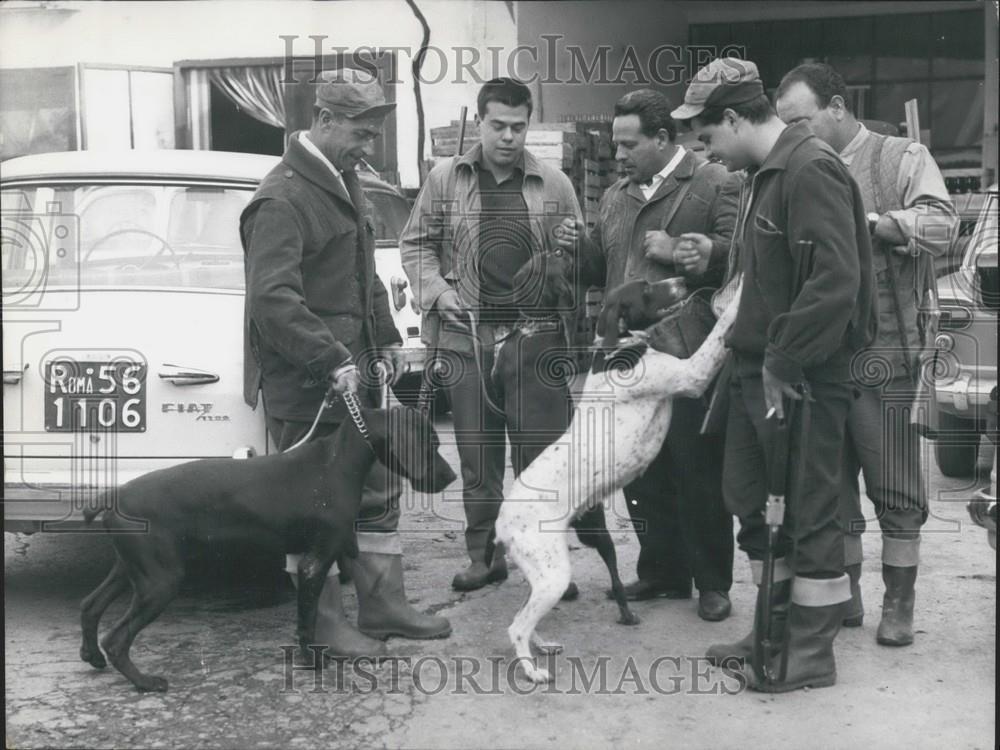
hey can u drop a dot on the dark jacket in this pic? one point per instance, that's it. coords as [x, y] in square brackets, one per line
[312, 296]
[614, 253]
[804, 322]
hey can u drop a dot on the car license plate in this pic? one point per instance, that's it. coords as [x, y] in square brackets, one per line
[95, 396]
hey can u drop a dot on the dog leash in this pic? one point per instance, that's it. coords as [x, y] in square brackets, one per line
[353, 409]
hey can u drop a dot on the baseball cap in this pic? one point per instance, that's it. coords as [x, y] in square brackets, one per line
[724, 82]
[352, 93]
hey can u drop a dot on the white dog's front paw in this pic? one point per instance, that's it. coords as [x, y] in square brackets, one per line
[537, 675]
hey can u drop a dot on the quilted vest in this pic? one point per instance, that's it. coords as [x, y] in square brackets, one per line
[886, 353]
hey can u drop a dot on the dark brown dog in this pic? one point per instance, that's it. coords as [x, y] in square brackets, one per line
[636, 304]
[306, 499]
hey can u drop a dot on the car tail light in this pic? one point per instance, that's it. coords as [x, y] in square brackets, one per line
[987, 281]
[398, 290]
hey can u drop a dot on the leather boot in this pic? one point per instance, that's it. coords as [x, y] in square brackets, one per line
[814, 618]
[334, 630]
[738, 653]
[383, 610]
[896, 626]
[478, 574]
[855, 609]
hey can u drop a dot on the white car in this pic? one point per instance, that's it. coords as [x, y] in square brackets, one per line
[123, 283]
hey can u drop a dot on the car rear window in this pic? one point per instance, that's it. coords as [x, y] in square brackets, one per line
[124, 235]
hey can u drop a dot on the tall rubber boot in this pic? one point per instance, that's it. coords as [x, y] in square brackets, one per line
[736, 654]
[383, 610]
[814, 618]
[854, 609]
[896, 626]
[334, 630]
[900, 557]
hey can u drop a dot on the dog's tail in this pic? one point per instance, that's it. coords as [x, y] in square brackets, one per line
[100, 504]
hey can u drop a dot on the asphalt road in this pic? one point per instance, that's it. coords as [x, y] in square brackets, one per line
[220, 644]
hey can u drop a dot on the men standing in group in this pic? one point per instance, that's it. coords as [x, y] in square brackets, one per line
[315, 311]
[914, 221]
[805, 310]
[478, 218]
[672, 214]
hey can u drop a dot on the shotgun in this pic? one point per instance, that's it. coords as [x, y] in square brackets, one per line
[774, 516]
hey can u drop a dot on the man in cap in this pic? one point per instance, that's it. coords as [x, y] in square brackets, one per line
[479, 217]
[914, 221]
[316, 313]
[805, 310]
[672, 215]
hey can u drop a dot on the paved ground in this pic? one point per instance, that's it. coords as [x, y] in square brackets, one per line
[219, 644]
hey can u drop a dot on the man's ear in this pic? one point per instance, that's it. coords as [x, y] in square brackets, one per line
[837, 107]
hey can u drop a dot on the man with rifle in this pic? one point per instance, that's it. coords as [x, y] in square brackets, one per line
[805, 310]
[913, 221]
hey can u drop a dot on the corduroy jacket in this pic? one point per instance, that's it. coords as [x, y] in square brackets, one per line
[312, 296]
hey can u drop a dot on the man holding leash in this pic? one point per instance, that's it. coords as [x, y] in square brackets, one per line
[805, 310]
[315, 313]
[672, 214]
[914, 222]
[477, 219]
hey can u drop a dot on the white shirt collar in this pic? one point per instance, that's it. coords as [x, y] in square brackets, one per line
[648, 190]
[847, 155]
[313, 149]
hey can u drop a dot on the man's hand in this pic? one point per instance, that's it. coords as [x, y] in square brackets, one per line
[569, 233]
[394, 359]
[692, 253]
[658, 245]
[888, 231]
[775, 390]
[346, 379]
[449, 307]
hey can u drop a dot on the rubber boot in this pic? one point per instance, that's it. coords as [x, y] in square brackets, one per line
[478, 574]
[334, 630]
[896, 626]
[738, 653]
[854, 609]
[383, 610]
[814, 619]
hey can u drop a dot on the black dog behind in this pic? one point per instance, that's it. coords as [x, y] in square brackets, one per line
[306, 499]
[532, 372]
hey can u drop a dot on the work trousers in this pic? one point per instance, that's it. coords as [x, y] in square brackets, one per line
[811, 538]
[677, 508]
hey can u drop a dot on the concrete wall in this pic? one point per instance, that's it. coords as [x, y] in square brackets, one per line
[158, 34]
[631, 30]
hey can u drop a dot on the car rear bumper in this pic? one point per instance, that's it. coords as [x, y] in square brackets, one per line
[967, 396]
[49, 508]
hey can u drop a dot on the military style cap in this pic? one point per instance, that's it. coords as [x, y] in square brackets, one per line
[724, 82]
[352, 93]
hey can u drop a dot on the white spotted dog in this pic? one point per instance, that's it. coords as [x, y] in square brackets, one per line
[618, 426]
